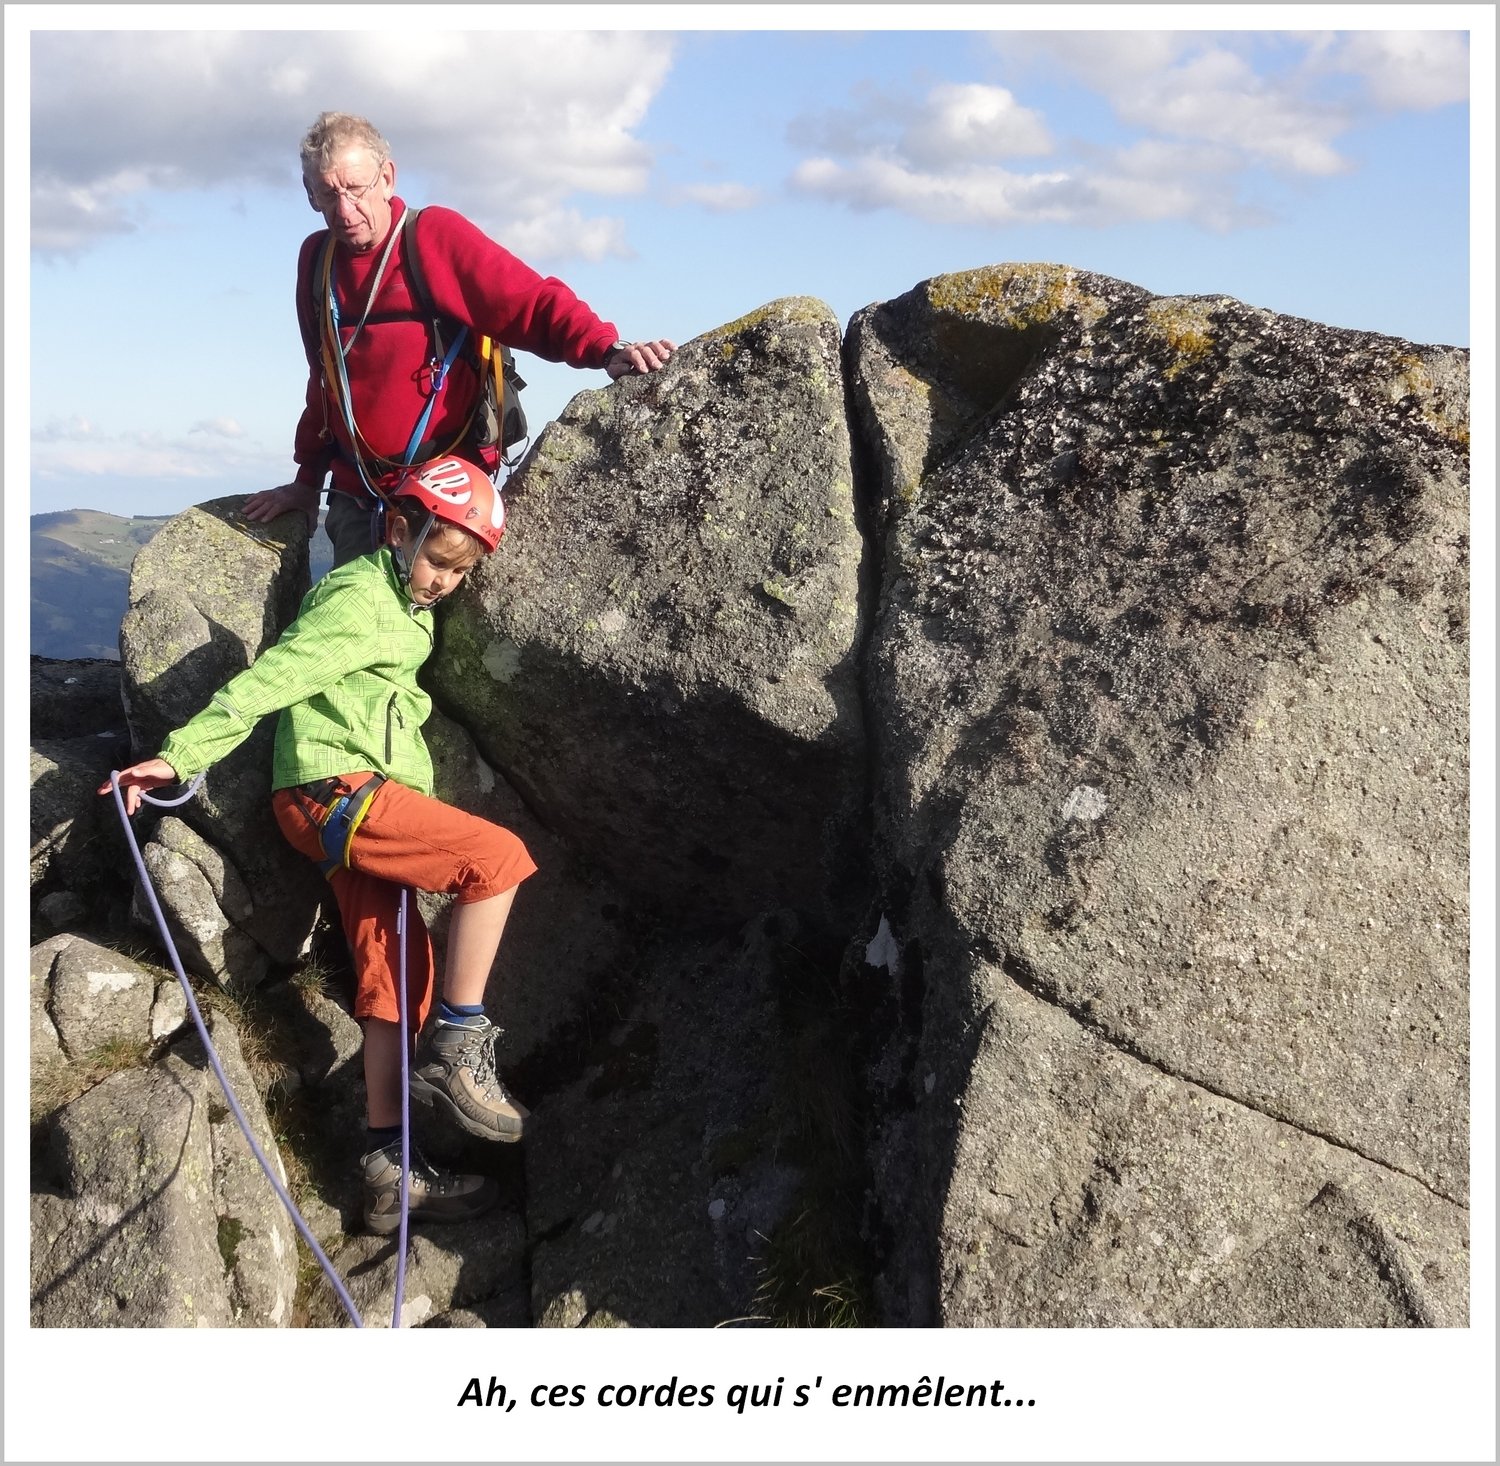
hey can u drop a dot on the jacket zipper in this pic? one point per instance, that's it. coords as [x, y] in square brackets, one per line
[392, 716]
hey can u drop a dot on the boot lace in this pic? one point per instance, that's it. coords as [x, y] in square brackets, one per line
[478, 1055]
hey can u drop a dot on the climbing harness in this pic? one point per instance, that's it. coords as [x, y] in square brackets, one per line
[343, 811]
[218, 1068]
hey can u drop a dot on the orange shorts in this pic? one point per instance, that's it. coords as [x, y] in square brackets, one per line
[405, 839]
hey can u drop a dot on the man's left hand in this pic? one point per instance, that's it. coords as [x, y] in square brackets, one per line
[638, 357]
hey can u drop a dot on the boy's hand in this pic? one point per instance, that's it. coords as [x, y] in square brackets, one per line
[152, 774]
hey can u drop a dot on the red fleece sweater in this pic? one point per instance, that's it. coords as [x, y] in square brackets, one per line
[471, 279]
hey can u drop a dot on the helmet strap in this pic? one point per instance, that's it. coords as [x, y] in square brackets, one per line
[404, 557]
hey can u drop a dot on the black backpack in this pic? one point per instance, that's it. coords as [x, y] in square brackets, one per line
[499, 420]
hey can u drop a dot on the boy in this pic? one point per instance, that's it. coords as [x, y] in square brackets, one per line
[352, 783]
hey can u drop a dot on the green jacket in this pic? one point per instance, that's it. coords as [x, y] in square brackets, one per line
[343, 674]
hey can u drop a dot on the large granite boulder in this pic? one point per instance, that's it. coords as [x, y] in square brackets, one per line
[207, 595]
[150, 1210]
[75, 835]
[206, 903]
[661, 655]
[657, 1173]
[87, 998]
[467, 1274]
[78, 734]
[1170, 672]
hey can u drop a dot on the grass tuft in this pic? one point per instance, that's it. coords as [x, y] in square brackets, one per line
[809, 1278]
[814, 1266]
[64, 1083]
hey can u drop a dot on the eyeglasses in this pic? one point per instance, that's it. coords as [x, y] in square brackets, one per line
[323, 199]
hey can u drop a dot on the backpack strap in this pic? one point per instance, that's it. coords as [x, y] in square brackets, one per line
[496, 365]
[416, 279]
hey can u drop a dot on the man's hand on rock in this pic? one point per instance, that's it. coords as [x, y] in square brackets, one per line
[638, 357]
[269, 503]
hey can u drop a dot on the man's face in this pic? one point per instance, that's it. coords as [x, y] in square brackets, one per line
[354, 196]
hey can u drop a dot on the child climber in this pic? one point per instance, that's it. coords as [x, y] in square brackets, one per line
[352, 783]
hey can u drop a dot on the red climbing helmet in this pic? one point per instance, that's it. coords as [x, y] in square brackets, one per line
[456, 492]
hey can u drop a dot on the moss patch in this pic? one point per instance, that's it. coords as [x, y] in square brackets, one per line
[793, 310]
[231, 1229]
[1185, 327]
[1414, 379]
[1020, 296]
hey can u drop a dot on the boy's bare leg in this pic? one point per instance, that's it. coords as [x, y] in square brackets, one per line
[382, 1073]
[474, 934]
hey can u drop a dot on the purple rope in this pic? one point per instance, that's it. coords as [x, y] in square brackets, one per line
[213, 1057]
[405, 1120]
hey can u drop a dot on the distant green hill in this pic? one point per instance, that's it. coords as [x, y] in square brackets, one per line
[80, 575]
[80, 579]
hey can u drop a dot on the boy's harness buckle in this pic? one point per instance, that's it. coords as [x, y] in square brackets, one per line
[342, 813]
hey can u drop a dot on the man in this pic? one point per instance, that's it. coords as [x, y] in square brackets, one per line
[367, 393]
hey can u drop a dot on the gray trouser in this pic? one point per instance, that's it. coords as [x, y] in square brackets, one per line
[350, 526]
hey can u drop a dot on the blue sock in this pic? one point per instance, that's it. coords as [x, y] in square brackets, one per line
[464, 1013]
[378, 1137]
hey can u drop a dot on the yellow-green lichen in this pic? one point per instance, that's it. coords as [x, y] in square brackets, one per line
[792, 310]
[903, 380]
[780, 589]
[1186, 329]
[1413, 378]
[1018, 296]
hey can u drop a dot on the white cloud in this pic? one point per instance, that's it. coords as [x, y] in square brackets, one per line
[1403, 70]
[509, 128]
[65, 217]
[969, 122]
[1103, 60]
[76, 448]
[63, 430]
[995, 197]
[954, 122]
[939, 159]
[721, 198]
[1200, 89]
[956, 196]
[1196, 118]
[558, 233]
[218, 427]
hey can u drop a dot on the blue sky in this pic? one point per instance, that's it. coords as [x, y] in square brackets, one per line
[679, 178]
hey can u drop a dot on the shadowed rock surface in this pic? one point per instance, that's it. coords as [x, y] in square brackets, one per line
[1170, 676]
[662, 659]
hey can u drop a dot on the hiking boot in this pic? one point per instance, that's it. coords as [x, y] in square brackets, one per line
[455, 1070]
[431, 1195]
